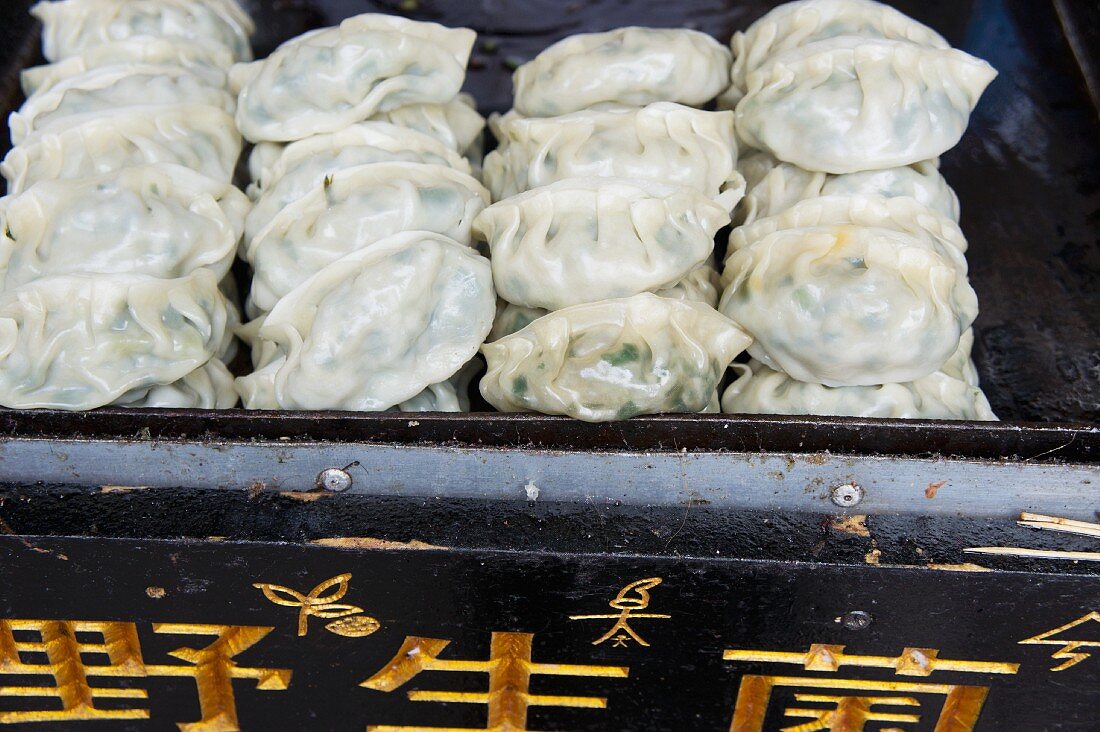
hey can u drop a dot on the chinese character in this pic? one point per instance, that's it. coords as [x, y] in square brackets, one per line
[1069, 649]
[626, 605]
[510, 669]
[212, 667]
[848, 705]
[323, 607]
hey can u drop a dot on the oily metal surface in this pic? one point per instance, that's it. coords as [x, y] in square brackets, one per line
[1027, 173]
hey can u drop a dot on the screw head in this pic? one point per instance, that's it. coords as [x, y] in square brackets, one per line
[856, 620]
[847, 495]
[334, 479]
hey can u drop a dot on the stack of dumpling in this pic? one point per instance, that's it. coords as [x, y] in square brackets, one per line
[609, 189]
[367, 294]
[120, 220]
[848, 267]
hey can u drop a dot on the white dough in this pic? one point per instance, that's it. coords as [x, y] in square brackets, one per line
[373, 329]
[333, 77]
[356, 208]
[614, 359]
[208, 387]
[72, 26]
[192, 135]
[631, 65]
[666, 142]
[82, 341]
[457, 123]
[850, 291]
[586, 239]
[452, 395]
[159, 220]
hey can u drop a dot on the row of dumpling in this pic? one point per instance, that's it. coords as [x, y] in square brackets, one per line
[366, 293]
[848, 265]
[120, 223]
[609, 187]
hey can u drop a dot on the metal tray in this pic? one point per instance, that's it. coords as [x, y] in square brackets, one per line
[1027, 173]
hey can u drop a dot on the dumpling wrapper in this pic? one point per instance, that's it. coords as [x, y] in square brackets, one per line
[773, 187]
[82, 341]
[333, 77]
[850, 291]
[796, 24]
[761, 390]
[374, 328]
[194, 136]
[208, 387]
[613, 360]
[112, 90]
[630, 66]
[72, 26]
[161, 220]
[586, 239]
[849, 104]
[210, 63]
[457, 123]
[451, 395]
[356, 208]
[666, 142]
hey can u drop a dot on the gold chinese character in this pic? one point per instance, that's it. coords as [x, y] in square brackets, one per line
[323, 607]
[510, 669]
[627, 605]
[849, 705]
[65, 661]
[1069, 650]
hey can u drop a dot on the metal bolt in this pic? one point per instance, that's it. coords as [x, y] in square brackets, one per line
[856, 620]
[334, 479]
[847, 495]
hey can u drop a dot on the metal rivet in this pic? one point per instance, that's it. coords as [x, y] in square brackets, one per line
[856, 620]
[334, 479]
[847, 495]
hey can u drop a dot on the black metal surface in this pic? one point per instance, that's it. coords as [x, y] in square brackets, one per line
[678, 681]
[1027, 173]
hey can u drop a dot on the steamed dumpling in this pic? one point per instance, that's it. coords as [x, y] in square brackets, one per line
[663, 141]
[761, 390]
[613, 359]
[850, 103]
[850, 291]
[110, 90]
[159, 220]
[373, 329]
[586, 239]
[191, 135]
[773, 187]
[457, 123]
[209, 63]
[800, 23]
[632, 65]
[83, 341]
[452, 395]
[333, 77]
[72, 26]
[208, 387]
[355, 208]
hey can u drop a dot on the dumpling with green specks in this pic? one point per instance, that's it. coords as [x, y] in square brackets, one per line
[112, 90]
[456, 123]
[210, 63]
[586, 239]
[69, 27]
[850, 103]
[614, 359]
[796, 24]
[208, 387]
[330, 78]
[302, 166]
[850, 291]
[632, 65]
[194, 136]
[761, 390]
[159, 220]
[82, 341]
[355, 208]
[666, 142]
[773, 187]
[373, 329]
